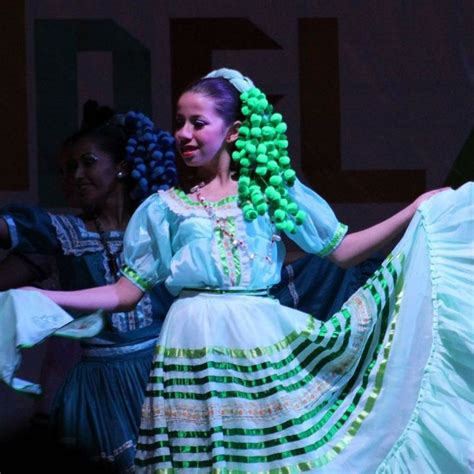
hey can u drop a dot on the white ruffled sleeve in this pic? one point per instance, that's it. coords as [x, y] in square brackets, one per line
[321, 232]
[147, 247]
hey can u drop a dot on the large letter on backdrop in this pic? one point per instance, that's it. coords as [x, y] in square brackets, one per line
[14, 121]
[207, 35]
[321, 126]
[57, 45]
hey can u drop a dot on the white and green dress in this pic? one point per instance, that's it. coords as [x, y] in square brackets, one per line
[242, 384]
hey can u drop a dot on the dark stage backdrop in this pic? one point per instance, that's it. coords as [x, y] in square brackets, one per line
[378, 95]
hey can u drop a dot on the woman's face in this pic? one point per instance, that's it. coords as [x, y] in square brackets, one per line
[93, 171]
[201, 134]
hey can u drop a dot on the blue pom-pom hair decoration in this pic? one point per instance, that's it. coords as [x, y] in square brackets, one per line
[150, 152]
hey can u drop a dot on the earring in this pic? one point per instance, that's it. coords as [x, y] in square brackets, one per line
[120, 175]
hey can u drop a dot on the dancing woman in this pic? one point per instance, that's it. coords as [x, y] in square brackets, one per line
[240, 383]
[108, 168]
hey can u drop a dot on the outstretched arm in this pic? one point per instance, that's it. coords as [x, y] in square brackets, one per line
[121, 296]
[358, 246]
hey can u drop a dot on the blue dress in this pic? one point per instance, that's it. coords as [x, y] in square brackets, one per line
[243, 384]
[97, 409]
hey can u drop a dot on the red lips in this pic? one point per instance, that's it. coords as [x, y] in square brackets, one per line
[188, 151]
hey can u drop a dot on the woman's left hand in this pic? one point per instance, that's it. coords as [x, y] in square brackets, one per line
[425, 196]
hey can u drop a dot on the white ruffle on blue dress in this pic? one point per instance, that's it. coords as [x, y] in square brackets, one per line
[20, 328]
[242, 384]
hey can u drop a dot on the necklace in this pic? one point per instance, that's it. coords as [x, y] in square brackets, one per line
[111, 256]
[222, 225]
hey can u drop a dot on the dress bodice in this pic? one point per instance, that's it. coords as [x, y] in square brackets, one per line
[175, 239]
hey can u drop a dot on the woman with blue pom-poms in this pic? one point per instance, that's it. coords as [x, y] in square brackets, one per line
[108, 168]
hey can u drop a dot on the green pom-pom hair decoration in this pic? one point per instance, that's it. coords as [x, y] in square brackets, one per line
[265, 167]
